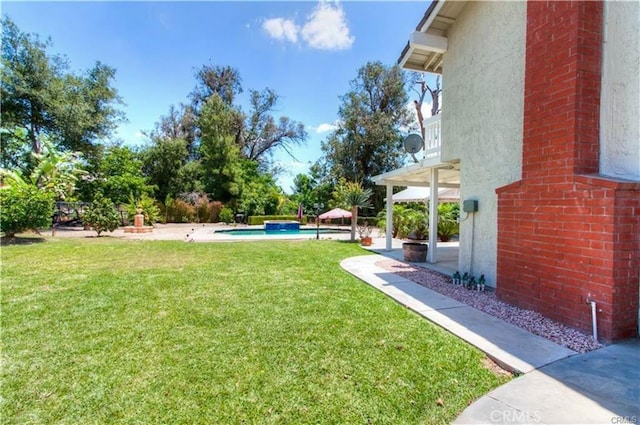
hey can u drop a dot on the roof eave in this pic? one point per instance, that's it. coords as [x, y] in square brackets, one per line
[412, 46]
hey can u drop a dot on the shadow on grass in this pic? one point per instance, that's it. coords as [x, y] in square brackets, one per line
[21, 240]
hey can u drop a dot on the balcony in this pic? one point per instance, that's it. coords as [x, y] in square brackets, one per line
[432, 137]
[418, 170]
[432, 141]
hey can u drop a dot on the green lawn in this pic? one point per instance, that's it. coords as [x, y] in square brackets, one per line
[114, 331]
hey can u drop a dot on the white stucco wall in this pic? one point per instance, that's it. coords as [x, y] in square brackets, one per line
[620, 95]
[483, 94]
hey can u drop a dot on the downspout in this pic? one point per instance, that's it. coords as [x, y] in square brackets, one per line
[594, 319]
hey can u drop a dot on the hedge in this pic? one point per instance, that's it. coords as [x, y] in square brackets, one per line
[260, 219]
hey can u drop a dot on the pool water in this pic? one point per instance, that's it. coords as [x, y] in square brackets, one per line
[259, 232]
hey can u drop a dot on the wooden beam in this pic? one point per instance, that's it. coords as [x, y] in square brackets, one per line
[429, 42]
[428, 63]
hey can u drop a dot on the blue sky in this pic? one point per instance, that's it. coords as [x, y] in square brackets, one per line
[306, 51]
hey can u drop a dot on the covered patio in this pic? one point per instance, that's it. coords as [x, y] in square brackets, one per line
[429, 173]
[447, 254]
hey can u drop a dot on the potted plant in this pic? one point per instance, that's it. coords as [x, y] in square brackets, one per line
[417, 231]
[415, 252]
[365, 234]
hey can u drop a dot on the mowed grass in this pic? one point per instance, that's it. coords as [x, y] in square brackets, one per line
[114, 331]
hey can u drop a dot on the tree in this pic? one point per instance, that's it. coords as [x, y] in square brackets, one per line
[56, 171]
[178, 124]
[262, 134]
[15, 152]
[353, 196]
[190, 178]
[257, 134]
[40, 94]
[226, 147]
[166, 164]
[224, 81]
[418, 79]
[24, 207]
[102, 215]
[259, 194]
[368, 140]
[304, 191]
[117, 175]
[51, 170]
[221, 161]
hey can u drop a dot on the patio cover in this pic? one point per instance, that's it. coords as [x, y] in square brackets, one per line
[421, 194]
[335, 213]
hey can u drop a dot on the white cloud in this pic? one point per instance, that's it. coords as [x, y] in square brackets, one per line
[326, 28]
[326, 127]
[281, 29]
[139, 135]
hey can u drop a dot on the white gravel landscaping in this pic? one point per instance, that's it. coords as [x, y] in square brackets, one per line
[488, 302]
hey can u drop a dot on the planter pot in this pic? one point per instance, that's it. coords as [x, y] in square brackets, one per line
[415, 252]
[366, 241]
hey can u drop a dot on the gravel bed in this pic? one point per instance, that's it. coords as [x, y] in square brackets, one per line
[487, 302]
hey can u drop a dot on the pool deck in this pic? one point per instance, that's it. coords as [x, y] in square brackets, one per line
[209, 234]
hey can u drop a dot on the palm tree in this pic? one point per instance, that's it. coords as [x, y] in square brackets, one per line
[353, 195]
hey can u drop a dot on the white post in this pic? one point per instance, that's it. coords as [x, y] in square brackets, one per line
[433, 217]
[389, 229]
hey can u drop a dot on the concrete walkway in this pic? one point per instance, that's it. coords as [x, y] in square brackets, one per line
[598, 387]
[558, 385]
[510, 346]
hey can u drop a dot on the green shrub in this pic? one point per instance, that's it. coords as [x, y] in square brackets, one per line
[23, 207]
[149, 208]
[448, 224]
[226, 215]
[447, 228]
[407, 222]
[102, 215]
[260, 219]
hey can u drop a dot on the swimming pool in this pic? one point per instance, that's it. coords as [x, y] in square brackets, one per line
[261, 232]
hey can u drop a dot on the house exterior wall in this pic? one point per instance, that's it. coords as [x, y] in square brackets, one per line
[483, 86]
[620, 105]
[567, 235]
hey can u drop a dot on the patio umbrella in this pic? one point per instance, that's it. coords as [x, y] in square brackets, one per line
[335, 213]
[299, 211]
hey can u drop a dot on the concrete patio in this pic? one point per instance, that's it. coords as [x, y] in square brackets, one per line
[447, 254]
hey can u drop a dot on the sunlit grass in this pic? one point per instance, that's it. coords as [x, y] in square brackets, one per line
[112, 331]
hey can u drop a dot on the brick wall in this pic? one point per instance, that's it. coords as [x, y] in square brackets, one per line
[566, 235]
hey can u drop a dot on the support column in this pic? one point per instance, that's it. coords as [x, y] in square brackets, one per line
[389, 229]
[433, 217]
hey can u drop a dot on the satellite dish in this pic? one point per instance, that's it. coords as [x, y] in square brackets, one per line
[413, 144]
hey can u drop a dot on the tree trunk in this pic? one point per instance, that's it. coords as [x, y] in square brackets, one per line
[354, 222]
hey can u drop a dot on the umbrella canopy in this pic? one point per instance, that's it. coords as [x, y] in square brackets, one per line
[335, 213]
[421, 194]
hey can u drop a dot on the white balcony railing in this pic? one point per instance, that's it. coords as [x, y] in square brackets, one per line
[432, 137]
